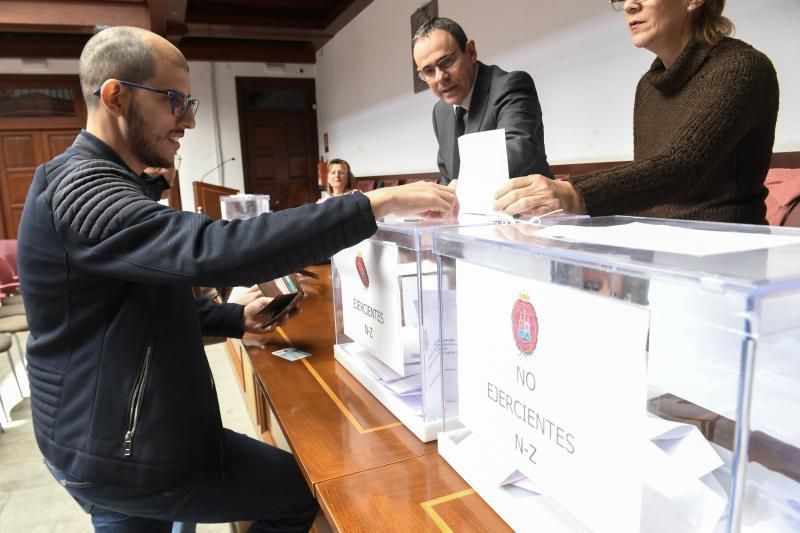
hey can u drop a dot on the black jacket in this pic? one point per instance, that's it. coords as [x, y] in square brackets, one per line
[121, 391]
[500, 99]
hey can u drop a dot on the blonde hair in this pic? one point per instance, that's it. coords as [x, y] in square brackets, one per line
[710, 25]
[351, 180]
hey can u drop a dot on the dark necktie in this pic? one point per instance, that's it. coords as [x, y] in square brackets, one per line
[460, 112]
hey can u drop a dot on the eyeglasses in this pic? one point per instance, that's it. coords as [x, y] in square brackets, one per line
[443, 65]
[618, 5]
[179, 102]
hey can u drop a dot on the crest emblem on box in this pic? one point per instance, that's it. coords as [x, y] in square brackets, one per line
[525, 324]
[362, 270]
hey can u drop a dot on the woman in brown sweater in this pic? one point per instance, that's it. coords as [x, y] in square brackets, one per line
[704, 125]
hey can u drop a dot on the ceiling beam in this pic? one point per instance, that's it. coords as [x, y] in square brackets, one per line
[344, 12]
[58, 29]
[223, 31]
[70, 17]
[69, 46]
[38, 46]
[158, 16]
[176, 20]
[202, 49]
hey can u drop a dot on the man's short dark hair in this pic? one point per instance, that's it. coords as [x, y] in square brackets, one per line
[441, 23]
[120, 53]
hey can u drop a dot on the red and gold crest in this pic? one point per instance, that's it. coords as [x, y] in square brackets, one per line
[524, 324]
[362, 270]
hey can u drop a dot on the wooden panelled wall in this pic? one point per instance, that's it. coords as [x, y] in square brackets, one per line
[366, 183]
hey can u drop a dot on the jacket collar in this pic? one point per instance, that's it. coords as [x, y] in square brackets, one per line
[480, 92]
[673, 79]
[89, 146]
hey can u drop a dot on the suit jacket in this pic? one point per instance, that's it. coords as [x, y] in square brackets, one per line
[500, 99]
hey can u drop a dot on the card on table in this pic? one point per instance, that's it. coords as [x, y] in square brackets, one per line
[291, 354]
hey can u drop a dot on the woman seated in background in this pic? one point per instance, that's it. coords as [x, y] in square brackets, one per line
[704, 125]
[340, 179]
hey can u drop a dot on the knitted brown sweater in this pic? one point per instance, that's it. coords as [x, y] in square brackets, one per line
[703, 135]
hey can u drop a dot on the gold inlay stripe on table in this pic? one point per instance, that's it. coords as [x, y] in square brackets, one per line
[332, 395]
[429, 505]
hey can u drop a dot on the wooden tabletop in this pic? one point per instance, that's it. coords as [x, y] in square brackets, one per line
[368, 471]
[334, 426]
[420, 494]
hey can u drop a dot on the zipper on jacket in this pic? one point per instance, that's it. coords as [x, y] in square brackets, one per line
[136, 401]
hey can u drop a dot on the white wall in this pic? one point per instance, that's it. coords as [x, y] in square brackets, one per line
[216, 135]
[578, 52]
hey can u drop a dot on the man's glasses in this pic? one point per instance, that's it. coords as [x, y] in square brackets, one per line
[618, 5]
[443, 65]
[179, 102]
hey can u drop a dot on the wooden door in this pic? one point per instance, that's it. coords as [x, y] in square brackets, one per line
[278, 126]
[20, 153]
[40, 116]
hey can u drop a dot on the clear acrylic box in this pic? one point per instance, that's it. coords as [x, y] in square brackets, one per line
[243, 205]
[625, 374]
[386, 308]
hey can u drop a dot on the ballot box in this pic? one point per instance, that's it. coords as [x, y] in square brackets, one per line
[622, 374]
[386, 307]
[243, 205]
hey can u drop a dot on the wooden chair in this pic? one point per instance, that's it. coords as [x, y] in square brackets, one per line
[8, 249]
[9, 282]
[12, 317]
[783, 201]
[5, 346]
[365, 185]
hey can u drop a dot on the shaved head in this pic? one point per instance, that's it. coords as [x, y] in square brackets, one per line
[123, 53]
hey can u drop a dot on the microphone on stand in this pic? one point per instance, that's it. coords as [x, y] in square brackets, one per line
[215, 168]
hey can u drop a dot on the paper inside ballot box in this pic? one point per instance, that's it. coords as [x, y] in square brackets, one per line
[680, 493]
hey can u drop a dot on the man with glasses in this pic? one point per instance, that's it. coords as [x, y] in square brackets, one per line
[477, 97]
[123, 401]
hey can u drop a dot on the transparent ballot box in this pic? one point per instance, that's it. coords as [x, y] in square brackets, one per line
[622, 374]
[386, 307]
[243, 205]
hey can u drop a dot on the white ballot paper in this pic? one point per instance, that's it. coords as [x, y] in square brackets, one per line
[554, 379]
[433, 345]
[680, 493]
[371, 300]
[664, 238]
[484, 169]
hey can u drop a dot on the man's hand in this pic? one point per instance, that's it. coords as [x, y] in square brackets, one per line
[413, 198]
[254, 316]
[536, 195]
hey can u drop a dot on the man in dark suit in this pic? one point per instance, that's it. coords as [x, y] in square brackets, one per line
[476, 97]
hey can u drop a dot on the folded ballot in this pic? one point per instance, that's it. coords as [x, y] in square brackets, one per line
[680, 493]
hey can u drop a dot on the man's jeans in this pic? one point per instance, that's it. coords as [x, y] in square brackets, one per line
[261, 484]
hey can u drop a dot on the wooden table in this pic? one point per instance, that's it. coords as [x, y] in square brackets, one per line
[420, 494]
[364, 466]
[333, 425]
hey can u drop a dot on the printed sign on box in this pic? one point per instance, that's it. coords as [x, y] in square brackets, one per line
[555, 378]
[370, 300]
